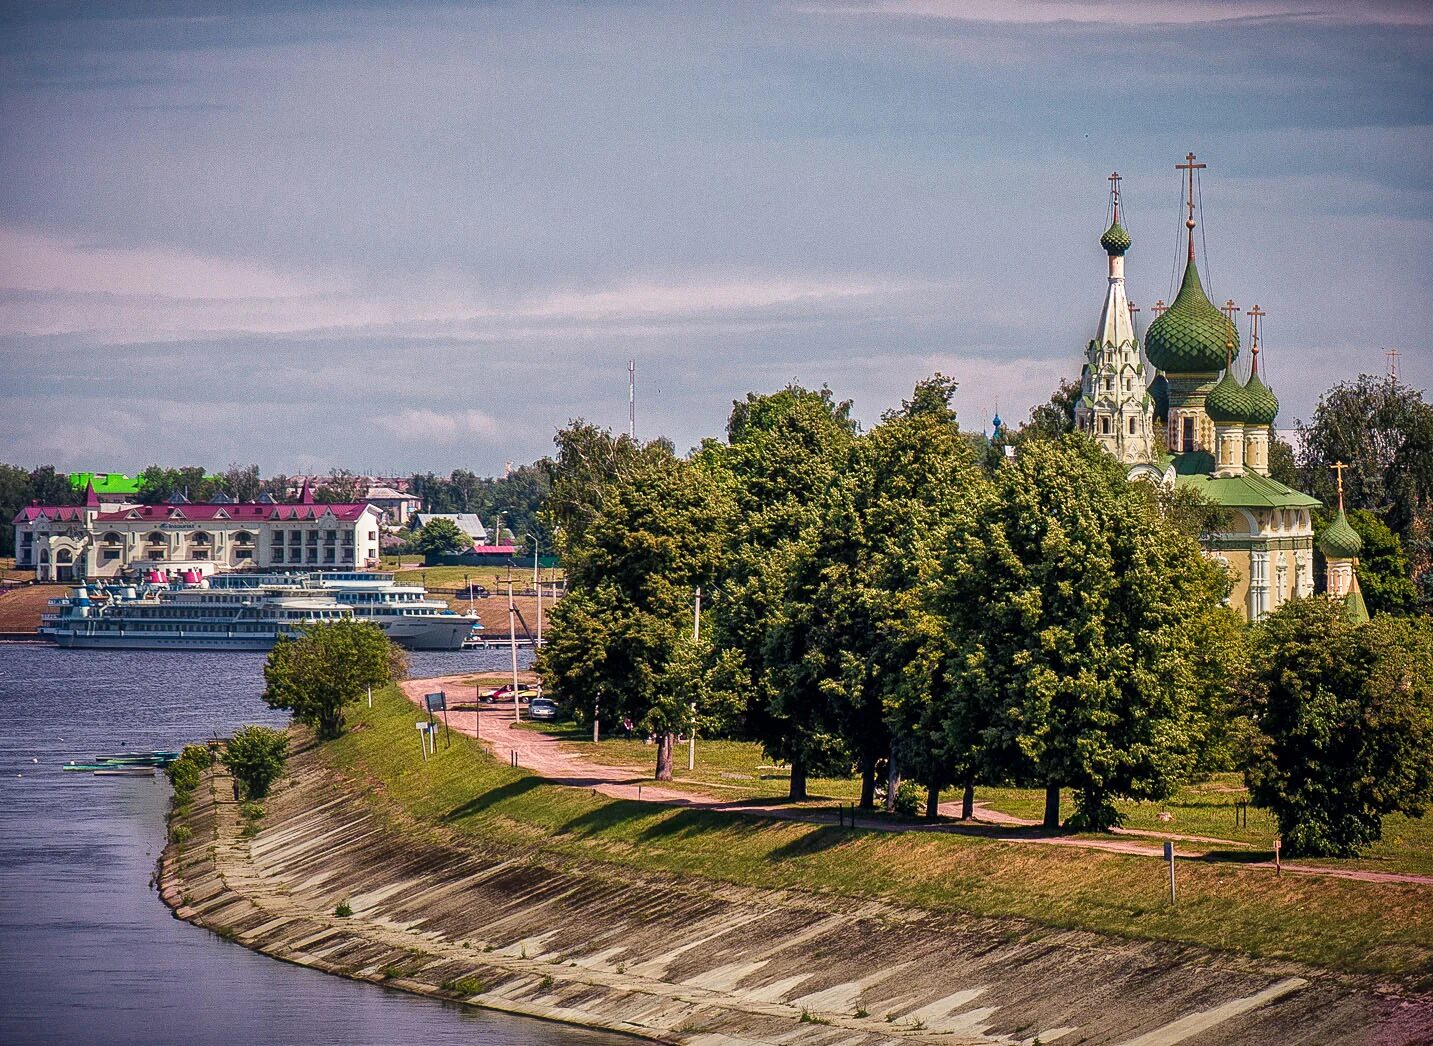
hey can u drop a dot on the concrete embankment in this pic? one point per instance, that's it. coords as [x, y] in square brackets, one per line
[699, 962]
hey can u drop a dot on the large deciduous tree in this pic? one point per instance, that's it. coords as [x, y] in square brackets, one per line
[1080, 612]
[330, 664]
[1346, 717]
[785, 456]
[441, 535]
[620, 643]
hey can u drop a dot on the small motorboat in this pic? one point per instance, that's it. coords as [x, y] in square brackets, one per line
[125, 771]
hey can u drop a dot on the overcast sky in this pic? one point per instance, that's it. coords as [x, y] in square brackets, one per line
[396, 236]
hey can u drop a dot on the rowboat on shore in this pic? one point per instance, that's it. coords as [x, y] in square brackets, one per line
[125, 771]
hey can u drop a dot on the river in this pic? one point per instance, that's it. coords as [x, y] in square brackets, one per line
[88, 953]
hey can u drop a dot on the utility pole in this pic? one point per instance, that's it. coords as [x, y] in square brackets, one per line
[696, 638]
[512, 641]
[632, 399]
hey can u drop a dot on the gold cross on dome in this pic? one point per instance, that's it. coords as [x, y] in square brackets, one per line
[1255, 315]
[1392, 356]
[1160, 308]
[1133, 308]
[1230, 309]
[1338, 467]
[1114, 180]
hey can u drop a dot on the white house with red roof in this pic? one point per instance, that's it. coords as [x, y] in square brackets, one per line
[93, 540]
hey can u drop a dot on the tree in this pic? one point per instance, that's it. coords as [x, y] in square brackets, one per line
[1384, 577]
[255, 755]
[1283, 467]
[327, 666]
[49, 487]
[341, 487]
[158, 484]
[785, 454]
[1053, 419]
[619, 644]
[1075, 621]
[241, 482]
[590, 463]
[1383, 430]
[1345, 713]
[441, 535]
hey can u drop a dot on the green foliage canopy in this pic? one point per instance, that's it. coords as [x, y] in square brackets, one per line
[327, 666]
[1346, 716]
[441, 535]
[255, 755]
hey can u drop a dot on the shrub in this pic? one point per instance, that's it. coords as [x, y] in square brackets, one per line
[251, 811]
[908, 799]
[255, 756]
[343, 911]
[465, 986]
[180, 833]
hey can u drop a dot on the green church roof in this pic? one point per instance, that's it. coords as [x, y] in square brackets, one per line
[1190, 337]
[1354, 606]
[1340, 541]
[1250, 490]
[1227, 401]
[105, 482]
[1115, 241]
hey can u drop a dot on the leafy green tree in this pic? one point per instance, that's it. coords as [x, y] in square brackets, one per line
[439, 536]
[1283, 467]
[341, 487]
[241, 482]
[590, 463]
[49, 487]
[1384, 576]
[619, 644]
[1053, 419]
[255, 756]
[1383, 430]
[326, 667]
[1346, 717]
[158, 484]
[785, 454]
[1079, 614]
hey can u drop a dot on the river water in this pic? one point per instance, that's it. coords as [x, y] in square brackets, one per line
[88, 952]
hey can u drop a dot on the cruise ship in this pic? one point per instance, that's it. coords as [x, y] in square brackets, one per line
[247, 612]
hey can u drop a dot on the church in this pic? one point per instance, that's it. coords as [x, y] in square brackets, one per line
[1178, 408]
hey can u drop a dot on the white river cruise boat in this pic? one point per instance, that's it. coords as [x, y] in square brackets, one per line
[247, 612]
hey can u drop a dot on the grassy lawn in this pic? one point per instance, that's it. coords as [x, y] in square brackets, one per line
[1367, 927]
[739, 770]
[492, 578]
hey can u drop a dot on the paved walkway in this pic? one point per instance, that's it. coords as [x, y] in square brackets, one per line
[543, 754]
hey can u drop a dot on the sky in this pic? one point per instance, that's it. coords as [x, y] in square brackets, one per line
[402, 236]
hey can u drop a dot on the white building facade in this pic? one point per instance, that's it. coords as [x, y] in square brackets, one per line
[74, 542]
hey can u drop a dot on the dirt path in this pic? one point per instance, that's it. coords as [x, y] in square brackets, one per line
[543, 754]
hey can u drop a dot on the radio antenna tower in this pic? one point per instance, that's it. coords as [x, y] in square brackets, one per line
[1392, 355]
[632, 399]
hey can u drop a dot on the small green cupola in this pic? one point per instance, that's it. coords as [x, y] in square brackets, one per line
[1263, 405]
[1227, 403]
[1339, 540]
[1115, 241]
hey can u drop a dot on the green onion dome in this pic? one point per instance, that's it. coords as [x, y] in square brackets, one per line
[1159, 393]
[1190, 337]
[1227, 401]
[1115, 241]
[1261, 405]
[1340, 541]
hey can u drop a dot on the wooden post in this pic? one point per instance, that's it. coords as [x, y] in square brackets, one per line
[696, 638]
[1169, 856]
[1278, 861]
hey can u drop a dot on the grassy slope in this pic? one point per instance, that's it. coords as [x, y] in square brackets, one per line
[1347, 925]
[739, 770]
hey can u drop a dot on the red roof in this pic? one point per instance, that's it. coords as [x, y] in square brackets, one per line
[495, 550]
[248, 510]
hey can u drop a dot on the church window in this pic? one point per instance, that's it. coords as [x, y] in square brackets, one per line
[1109, 384]
[1131, 426]
[1128, 384]
[1104, 426]
[1186, 441]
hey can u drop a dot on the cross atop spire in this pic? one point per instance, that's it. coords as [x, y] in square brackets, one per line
[1115, 193]
[1160, 308]
[1255, 315]
[1133, 308]
[1338, 467]
[1190, 166]
[1392, 356]
[1229, 309]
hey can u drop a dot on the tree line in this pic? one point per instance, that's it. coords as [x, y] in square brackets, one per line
[904, 605]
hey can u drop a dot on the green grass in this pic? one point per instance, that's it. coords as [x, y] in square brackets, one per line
[492, 578]
[1343, 924]
[739, 770]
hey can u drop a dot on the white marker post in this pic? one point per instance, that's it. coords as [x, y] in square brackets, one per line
[512, 641]
[423, 737]
[1169, 856]
[692, 731]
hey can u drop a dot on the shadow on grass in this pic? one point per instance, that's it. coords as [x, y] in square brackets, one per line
[490, 798]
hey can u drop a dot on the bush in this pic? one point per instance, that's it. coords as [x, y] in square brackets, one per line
[181, 833]
[255, 756]
[185, 772]
[908, 799]
[251, 811]
[343, 911]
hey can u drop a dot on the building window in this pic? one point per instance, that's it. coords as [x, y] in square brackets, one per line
[110, 554]
[1104, 426]
[1131, 426]
[1186, 441]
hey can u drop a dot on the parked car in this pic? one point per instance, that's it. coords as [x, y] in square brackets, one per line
[543, 708]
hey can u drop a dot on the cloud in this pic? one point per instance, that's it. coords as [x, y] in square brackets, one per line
[422, 424]
[1136, 12]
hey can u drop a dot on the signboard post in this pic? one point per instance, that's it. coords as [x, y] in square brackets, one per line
[1169, 856]
[438, 703]
[423, 737]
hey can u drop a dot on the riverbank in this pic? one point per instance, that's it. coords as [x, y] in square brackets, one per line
[456, 890]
